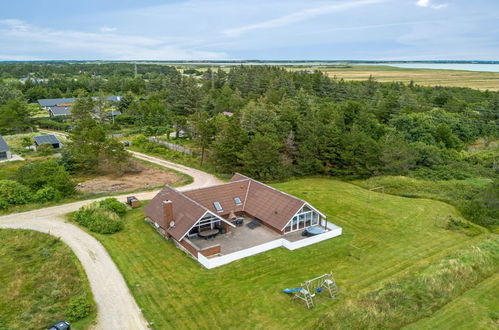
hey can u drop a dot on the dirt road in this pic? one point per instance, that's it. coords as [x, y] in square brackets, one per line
[116, 306]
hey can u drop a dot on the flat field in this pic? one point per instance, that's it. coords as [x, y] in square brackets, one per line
[425, 77]
[39, 277]
[383, 240]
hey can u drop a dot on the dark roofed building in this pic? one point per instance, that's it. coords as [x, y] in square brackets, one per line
[46, 103]
[4, 150]
[68, 101]
[47, 139]
[206, 212]
[59, 111]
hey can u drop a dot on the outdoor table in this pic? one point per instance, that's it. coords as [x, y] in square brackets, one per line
[208, 233]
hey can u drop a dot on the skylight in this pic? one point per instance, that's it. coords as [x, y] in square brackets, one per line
[218, 207]
[237, 200]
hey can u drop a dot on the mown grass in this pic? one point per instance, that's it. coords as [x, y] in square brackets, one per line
[39, 275]
[477, 308]
[393, 238]
[445, 190]
[455, 192]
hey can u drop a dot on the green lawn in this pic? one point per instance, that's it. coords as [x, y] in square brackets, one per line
[478, 308]
[395, 236]
[39, 276]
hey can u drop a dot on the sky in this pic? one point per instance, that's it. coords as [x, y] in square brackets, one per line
[250, 29]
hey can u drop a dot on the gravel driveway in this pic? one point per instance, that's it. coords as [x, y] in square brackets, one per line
[116, 307]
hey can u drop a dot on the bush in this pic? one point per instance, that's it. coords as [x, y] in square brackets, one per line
[45, 150]
[112, 204]
[98, 219]
[78, 308]
[13, 193]
[48, 173]
[45, 194]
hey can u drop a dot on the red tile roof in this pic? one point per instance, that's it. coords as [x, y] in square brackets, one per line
[270, 205]
[186, 212]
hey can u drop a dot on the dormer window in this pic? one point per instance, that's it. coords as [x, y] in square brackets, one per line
[218, 207]
[237, 200]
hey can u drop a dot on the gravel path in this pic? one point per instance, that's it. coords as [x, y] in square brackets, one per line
[116, 307]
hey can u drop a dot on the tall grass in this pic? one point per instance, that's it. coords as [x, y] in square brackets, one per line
[405, 301]
[41, 282]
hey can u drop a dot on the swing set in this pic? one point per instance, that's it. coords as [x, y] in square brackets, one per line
[310, 288]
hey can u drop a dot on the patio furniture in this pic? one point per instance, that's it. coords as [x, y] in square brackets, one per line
[254, 223]
[206, 234]
[238, 221]
[314, 230]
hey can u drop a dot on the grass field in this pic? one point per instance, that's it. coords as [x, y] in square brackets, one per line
[39, 276]
[387, 73]
[395, 237]
[478, 308]
[425, 77]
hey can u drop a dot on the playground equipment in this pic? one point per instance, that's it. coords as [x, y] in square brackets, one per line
[310, 288]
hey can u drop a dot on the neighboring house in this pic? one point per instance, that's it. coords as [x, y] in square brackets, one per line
[46, 103]
[56, 111]
[266, 218]
[68, 101]
[114, 98]
[4, 150]
[47, 139]
[228, 113]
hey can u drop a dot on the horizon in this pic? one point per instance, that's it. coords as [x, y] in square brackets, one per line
[272, 30]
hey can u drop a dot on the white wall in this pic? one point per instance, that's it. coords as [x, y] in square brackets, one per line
[228, 258]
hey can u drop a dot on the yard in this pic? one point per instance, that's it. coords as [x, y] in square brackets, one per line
[39, 277]
[382, 240]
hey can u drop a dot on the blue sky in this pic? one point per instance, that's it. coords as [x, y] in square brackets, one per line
[251, 29]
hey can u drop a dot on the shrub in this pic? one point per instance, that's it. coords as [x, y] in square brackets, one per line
[45, 194]
[112, 204]
[105, 222]
[13, 193]
[47, 173]
[98, 219]
[45, 150]
[78, 308]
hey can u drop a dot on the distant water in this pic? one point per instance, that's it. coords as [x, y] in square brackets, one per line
[448, 66]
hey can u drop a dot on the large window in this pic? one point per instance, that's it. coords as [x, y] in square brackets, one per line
[208, 222]
[306, 217]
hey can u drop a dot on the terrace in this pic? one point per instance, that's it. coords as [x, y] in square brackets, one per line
[237, 239]
[241, 238]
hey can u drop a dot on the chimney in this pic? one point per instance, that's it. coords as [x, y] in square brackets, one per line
[167, 213]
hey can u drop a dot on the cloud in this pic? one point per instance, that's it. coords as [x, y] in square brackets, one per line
[298, 16]
[19, 38]
[428, 4]
[107, 29]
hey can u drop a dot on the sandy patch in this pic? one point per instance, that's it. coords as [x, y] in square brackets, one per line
[148, 177]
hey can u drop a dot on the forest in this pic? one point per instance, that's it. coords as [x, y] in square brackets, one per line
[273, 124]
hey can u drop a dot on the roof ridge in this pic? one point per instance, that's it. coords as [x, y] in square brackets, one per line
[187, 197]
[217, 185]
[279, 191]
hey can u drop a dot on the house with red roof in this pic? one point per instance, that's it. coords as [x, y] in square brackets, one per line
[229, 221]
